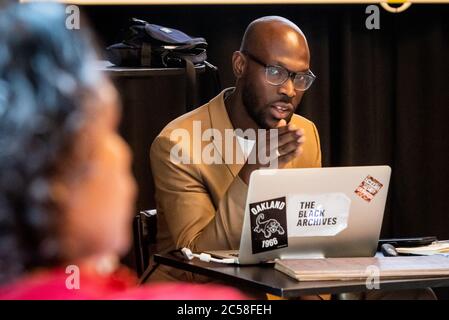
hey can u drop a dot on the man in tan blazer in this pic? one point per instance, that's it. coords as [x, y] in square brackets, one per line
[200, 161]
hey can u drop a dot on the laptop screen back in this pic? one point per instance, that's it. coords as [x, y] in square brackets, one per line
[312, 213]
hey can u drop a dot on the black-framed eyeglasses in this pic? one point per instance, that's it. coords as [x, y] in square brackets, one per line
[277, 75]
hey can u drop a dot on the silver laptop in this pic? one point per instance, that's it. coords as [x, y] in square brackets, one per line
[312, 213]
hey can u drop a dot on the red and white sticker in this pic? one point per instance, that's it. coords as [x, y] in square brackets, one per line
[368, 189]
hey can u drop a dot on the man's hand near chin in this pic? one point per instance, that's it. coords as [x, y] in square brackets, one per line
[289, 146]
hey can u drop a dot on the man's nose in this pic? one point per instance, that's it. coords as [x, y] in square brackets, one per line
[288, 88]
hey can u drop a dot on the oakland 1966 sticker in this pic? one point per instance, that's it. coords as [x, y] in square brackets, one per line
[268, 225]
[368, 188]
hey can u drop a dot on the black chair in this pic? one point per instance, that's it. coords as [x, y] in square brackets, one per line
[144, 232]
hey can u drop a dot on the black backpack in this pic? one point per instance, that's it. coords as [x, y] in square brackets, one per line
[151, 45]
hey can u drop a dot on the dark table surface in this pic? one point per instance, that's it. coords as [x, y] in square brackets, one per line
[265, 278]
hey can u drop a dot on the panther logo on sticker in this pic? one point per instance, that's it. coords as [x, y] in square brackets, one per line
[268, 227]
[368, 189]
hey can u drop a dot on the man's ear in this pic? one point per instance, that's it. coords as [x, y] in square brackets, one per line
[238, 64]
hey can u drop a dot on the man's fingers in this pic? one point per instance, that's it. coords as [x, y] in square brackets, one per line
[281, 123]
[301, 140]
[290, 129]
[283, 160]
[283, 128]
[297, 136]
[284, 144]
[289, 147]
[286, 158]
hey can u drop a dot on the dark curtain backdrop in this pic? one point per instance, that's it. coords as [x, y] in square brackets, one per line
[381, 96]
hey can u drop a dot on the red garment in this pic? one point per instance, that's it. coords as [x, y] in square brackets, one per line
[51, 285]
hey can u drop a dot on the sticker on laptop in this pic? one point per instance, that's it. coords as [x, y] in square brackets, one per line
[311, 215]
[268, 225]
[368, 189]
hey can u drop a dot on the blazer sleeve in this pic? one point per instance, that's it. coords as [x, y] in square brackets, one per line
[193, 220]
[317, 162]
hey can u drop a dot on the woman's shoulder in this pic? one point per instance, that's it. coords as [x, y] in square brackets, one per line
[72, 284]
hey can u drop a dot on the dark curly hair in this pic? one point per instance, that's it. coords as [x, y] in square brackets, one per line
[46, 71]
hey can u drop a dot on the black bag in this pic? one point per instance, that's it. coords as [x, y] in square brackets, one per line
[151, 45]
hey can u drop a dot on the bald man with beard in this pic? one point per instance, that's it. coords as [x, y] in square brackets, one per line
[201, 205]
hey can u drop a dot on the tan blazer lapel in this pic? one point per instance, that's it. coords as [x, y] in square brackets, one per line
[223, 135]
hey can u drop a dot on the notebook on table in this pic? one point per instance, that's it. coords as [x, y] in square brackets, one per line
[361, 268]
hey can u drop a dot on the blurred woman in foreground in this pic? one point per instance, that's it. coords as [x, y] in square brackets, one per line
[66, 189]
